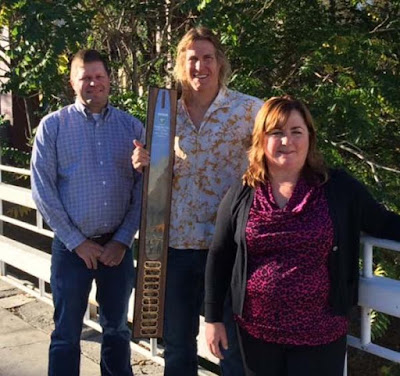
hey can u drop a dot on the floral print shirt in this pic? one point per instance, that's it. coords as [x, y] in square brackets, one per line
[207, 161]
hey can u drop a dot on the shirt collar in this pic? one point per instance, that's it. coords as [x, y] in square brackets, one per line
[221, 101]
[82, 109]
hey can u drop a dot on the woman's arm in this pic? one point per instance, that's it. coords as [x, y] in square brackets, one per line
[220, 261]
[219, 266]
[376, 220]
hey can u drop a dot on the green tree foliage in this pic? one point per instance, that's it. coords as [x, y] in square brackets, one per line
[40, 34]
[342, 57]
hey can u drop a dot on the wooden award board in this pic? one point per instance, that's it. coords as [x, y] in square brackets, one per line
[156, 206]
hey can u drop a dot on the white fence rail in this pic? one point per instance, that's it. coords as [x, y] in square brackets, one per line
[375, 293]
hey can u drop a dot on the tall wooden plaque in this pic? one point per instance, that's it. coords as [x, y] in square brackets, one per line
[156, 205]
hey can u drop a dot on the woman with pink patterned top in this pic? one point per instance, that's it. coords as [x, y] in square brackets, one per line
[287, 242]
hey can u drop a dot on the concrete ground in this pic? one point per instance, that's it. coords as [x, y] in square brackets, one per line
[25, 327]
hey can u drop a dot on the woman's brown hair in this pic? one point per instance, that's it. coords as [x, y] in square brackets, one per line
[274, 114]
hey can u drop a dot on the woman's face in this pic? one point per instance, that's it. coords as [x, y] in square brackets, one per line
[286, 148]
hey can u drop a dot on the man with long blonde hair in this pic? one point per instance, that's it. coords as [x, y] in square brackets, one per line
[214, 126]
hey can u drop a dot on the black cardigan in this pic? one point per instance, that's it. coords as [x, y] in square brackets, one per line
[352, 210]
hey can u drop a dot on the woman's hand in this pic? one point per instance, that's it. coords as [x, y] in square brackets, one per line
[216, 338]
[140, 156]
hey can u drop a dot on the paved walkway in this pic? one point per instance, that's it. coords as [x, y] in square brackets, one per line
[25, 327]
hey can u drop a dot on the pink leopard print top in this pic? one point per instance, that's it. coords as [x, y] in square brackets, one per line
[287, 288]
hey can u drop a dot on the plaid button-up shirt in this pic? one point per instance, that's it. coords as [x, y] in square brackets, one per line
[83, 182]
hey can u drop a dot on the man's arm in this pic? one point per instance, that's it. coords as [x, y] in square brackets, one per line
[44, 183]
[131, 222]
[114, 250]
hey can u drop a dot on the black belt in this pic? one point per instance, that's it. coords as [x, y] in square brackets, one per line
[102, 239]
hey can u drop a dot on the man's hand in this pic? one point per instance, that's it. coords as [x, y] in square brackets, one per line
[113, 253]
[216, 338]
[89, 252]
[140, 156]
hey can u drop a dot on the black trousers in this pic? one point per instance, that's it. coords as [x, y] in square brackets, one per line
[273, 359]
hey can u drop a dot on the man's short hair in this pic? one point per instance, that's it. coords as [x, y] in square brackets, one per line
[90, 56]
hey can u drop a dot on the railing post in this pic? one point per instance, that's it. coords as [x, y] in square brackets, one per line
[2, 263]
[39, 220]
[367, 260]
[87, 312]
[42, 288]
[365, 326]
[1, 201]
[366, 311]
[153, 346]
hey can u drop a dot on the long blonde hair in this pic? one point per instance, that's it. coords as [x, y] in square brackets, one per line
[195, 34]
[274, 114]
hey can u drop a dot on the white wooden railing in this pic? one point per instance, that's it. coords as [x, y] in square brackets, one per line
[375, 293]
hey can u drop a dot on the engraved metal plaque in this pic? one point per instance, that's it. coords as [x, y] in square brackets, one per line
[156, 204]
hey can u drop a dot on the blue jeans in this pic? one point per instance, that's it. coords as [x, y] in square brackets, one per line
[71, 282]
[183, 301]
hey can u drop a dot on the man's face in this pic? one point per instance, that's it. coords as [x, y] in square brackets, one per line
[91, 84]
[202, 67]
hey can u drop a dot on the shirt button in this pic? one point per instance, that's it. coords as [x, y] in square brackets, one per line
[104, 183]
[99, 143]
[335, 248]
[105, 204]
[101, 163]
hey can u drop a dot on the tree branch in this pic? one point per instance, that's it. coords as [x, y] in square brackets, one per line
[346, 146]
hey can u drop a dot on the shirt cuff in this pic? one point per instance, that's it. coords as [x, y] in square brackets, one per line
[125, 237]
[73, 241]
[213, 313]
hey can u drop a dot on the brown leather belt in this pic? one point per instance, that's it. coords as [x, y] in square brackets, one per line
[102, 239]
